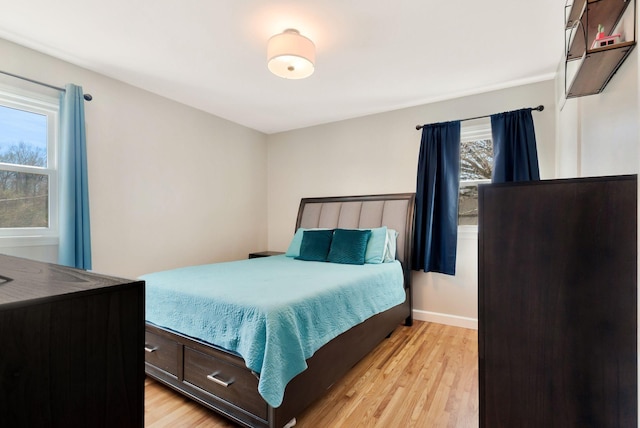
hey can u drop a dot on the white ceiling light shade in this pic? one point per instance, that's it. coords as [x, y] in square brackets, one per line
[291, 55]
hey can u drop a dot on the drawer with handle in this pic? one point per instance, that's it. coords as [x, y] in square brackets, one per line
[234, 384]
[161, 352]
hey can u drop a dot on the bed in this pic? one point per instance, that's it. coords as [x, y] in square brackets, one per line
[213, 371]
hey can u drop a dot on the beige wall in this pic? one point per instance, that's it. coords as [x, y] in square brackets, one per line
[378, 154]
[169, 185]
[599, 133]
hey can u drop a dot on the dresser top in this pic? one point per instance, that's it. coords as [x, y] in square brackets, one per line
[23, 280]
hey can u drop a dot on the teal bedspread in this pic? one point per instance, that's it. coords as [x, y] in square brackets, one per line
[275, 312]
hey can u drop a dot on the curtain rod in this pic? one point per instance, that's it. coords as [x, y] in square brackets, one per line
[539, 108]
[87, 97]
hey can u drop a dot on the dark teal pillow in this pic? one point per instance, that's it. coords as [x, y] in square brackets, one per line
[349, 246]
[315, 245]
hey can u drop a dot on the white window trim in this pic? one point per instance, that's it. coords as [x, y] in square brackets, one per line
[28, 241]
[479, 131]
[48, 106]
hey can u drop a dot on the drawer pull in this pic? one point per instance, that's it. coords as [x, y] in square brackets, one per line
[150, 348]
[214, 378]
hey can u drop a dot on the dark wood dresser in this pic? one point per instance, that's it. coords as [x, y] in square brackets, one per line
[557, 323]
[72, 347]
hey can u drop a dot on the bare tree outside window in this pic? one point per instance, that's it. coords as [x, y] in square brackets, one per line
[24, 173]
[24, 196]
[476, 160]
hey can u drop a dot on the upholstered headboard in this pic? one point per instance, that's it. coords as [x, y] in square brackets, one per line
[349, 212]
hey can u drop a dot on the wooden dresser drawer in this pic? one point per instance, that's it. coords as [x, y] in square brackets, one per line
[232, 383]
[161, 352]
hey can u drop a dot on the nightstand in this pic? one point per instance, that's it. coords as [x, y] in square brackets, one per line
[264, 254]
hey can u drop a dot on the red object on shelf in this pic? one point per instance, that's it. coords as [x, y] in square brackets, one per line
[606, 41]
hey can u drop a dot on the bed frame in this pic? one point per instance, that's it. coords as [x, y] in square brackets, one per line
[221, 381]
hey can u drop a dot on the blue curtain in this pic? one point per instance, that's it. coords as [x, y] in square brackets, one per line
[515, 156]
[436, 223]
[75, 241]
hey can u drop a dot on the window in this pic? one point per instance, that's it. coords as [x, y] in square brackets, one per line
[476, 163]
[28, 159]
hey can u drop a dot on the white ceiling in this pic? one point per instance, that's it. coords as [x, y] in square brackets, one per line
[372, 55]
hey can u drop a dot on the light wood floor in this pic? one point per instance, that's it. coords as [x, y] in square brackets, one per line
[422, 376]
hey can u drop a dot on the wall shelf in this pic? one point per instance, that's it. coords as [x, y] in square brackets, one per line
[595, 67]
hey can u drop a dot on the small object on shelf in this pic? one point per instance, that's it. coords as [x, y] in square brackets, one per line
[264, 254]
[598, 55]
[606, 41]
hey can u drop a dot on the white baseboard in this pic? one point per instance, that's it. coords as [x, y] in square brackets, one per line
[454, 320]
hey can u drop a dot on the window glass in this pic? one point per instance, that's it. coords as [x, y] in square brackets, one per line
[23, 137]
[476, 159]
[24, 199]
[476, 163]
[28, 175]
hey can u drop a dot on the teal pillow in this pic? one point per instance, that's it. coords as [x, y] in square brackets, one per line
[315, 245]
[377, 245]
[349, 246]
[294, 246]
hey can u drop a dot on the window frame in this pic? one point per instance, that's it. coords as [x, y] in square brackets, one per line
[479, 130]
[48, 106]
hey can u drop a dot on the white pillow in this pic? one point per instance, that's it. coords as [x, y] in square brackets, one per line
[390, 253]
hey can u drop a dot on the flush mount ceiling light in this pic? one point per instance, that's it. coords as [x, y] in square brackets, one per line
[291, 55]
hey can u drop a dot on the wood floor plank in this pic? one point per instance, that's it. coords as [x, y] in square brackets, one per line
[421, 376]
